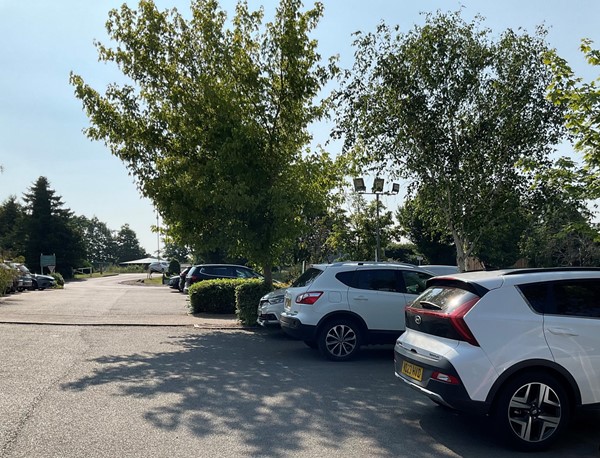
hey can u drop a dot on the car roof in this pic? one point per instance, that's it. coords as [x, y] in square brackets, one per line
[358, 264]
[492, 279]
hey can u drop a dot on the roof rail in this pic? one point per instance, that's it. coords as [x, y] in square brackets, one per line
[550, 269]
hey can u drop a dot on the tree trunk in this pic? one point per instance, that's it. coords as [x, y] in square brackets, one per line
[461, 257]
[268, 273]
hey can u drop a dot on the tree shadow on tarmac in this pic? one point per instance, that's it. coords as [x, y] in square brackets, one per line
[279, 398]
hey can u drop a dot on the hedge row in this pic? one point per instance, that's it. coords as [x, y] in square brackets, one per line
[239, 297]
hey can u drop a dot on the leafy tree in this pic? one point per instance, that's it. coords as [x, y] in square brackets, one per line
[172, 250]
[456, 112]
[51, 230]
[127, 245]
[582, 103]
[404, 252]
[12, 230]
[561, 231]
[99, 242]
[434, 245]
[355, 235]
[214, 122]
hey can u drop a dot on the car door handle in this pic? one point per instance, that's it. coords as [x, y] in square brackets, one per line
[562, 332]
[360, 298]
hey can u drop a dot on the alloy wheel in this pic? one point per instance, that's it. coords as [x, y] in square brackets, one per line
[534, 412]
[341, 340]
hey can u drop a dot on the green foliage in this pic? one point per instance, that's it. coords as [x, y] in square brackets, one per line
[561, 229]
[60, 281]
[7, 277]
[12, 229]
[174, 267]
[214, 123]
[417, 225]
[354, 235]
[247, 297]
[214, 296]
[51, 229]
[127, 245]
[582, 103]
[100, 245]
[455, 112]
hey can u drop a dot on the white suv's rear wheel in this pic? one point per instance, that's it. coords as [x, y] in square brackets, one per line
[339, 340]
[532, 410]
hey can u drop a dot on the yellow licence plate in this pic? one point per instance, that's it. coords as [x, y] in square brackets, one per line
[412, 371]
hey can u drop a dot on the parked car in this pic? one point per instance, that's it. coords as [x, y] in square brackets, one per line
[339, 307]
[158, 266]
[182, 277]
[217, 271]
[270, 307]
[24, 280]
[522, 346]
[42, 282]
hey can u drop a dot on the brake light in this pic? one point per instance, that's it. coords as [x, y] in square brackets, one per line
[309, 298]
[457, 318]
[440, 377]
[450, 324]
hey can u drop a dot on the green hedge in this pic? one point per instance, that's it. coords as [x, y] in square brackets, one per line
[247, 297]
[214, 296]
[239, 296]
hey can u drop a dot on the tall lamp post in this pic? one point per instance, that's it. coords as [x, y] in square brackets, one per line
[377, 190]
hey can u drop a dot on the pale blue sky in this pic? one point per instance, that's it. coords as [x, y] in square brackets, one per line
[41, 122]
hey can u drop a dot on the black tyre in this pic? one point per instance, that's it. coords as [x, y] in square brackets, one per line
[34, 285]
[339, 340]
[311, 344]
[532, 410]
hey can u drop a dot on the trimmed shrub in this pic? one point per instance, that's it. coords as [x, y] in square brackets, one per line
[214, 296]
[247, 297]
[60, 281]
[174, 267]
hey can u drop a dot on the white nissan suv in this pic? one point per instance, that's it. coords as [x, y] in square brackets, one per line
[522, 346]
[339, 307]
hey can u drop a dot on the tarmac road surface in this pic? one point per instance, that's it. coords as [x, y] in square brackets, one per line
[119, 300]
[162, 383]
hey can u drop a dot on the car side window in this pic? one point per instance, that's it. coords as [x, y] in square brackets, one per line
[217, 271]
[578, 298]
[243, 273]
[536, 295]
[377, 279]
[415, 281]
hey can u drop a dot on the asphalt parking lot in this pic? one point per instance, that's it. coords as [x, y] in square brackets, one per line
[101, 384]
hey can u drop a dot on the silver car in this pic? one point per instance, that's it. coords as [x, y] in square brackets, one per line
[270, 308]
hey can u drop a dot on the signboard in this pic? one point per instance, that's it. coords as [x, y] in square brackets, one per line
[51, 269]
[47, 260]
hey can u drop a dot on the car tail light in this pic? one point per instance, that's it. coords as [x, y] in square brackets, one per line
[443, 323]
[457, 318]
[309, 298]
[441, 377]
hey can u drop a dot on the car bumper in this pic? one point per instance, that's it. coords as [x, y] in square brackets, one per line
[294, 328]
[420, 378]
[267, 320]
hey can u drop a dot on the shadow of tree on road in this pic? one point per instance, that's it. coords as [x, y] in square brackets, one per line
[288, 399]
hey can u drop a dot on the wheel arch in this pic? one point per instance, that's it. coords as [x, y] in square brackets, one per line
[537, 365]
[342, 314]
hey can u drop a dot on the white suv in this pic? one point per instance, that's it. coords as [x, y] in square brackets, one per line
[522, 346]
[339, 307]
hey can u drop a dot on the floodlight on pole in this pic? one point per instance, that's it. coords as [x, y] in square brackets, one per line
[377, 190]
[359, 185]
